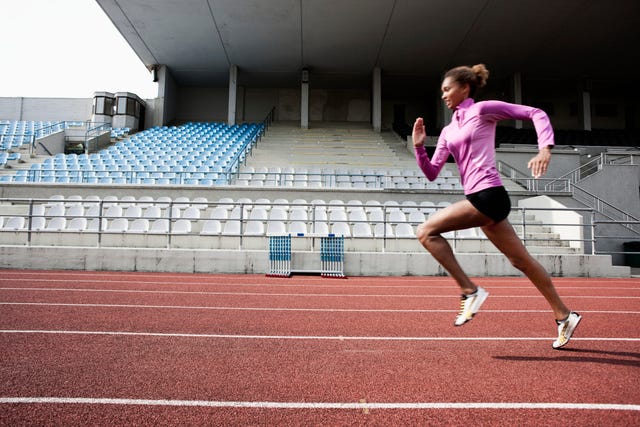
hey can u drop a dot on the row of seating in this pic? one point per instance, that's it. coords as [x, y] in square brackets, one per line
[261, 217]
[344, 178]
[206, 175]
[207, 227]
[161, 153]
[229, 203]
[16, 133]
[117, 133]
[5, 158]
[277, 213]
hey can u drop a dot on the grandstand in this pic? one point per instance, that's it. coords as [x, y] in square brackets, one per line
[242, 144]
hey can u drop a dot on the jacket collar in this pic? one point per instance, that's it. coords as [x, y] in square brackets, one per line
[461, 109]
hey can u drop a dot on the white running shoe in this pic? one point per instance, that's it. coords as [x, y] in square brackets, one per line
[566, 328]
[469, 305]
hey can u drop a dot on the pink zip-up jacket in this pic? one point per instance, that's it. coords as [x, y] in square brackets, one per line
[470, 139]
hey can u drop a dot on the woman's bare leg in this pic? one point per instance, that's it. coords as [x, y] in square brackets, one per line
[457, 216]
[504, 237]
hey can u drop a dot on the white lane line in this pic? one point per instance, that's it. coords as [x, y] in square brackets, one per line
[302, 337]
[287, 309]
[274, 294]
[323, 405]
[429, 284]
[168, 276]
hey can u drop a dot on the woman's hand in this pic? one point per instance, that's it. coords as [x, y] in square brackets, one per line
[419, 133]
[540, 162]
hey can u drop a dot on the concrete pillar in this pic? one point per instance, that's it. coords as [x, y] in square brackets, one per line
[304, 99]
[166, 101]
[585, 111]
[517, 94]
[377, 99]
[233, 91]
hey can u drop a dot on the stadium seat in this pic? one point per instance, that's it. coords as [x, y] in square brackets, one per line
[140, 225]
[254, 228]
[276, 228]
[341, 229]
[404, 230]
[298, 228]
[57, 224]
[211, 227]
[361, 229]
[77, 224]
[181, 226]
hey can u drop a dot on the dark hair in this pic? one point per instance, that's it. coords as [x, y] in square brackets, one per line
[476, 76]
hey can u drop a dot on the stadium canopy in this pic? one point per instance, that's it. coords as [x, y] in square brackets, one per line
[271, 41]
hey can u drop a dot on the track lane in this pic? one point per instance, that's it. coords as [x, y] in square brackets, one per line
[224, 370]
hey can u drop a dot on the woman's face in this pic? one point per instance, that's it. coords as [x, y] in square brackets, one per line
[453, 93]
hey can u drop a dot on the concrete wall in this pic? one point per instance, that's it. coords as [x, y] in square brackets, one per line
[210, 104]
[202, 104]
[46, 109]
[51, 144]
[617, 185]
[258, 102]
[256, 262]
[562, 161]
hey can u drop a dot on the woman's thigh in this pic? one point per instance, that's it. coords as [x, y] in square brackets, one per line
[457, 216]
[504, 237]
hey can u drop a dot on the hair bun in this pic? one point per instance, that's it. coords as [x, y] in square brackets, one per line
[482, 74]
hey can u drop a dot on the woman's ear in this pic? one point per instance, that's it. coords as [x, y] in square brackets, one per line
[466, 89]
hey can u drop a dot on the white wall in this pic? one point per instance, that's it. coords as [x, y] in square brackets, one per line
[572, 221]
[46, 109]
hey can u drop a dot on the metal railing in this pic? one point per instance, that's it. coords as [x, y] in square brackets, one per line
[592, 167]
[93, 130]
[606, 209]
[534, 184]
[388, 230]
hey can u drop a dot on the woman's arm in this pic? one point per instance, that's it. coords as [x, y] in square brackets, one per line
[499, 110]
[431, 169]
[504, 110]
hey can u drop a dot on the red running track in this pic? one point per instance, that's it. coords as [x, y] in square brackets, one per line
[145, 349]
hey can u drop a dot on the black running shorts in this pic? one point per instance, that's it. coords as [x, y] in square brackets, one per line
[493, 202]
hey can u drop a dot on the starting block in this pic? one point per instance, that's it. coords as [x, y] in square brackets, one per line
[279, 256]
[331, 257]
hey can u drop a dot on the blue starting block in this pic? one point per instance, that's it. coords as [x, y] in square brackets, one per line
[279, 256]
[331, 257]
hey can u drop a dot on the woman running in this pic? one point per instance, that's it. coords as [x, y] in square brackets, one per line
[470, 139]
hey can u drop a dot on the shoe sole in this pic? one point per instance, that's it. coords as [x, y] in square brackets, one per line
[570, 335]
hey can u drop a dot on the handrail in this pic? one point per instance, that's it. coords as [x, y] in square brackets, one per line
[247, 146]
[594, 165]
[385, 219]
[270, 117]
[93, 131]
[529, 183]
[604, 208]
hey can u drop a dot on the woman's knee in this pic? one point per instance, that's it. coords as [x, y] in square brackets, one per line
[524, 263]
[425, 233]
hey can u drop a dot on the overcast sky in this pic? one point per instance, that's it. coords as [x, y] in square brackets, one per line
[65, 48]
